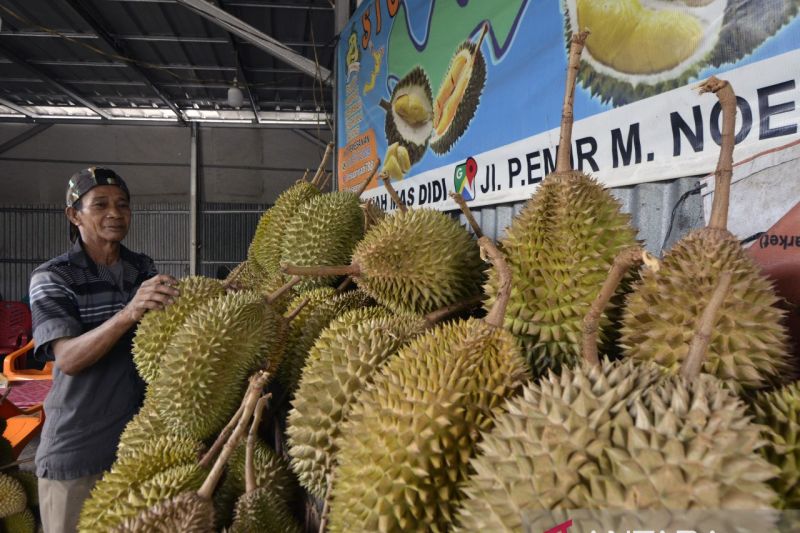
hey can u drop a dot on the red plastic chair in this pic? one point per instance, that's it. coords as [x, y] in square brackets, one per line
[15, 326]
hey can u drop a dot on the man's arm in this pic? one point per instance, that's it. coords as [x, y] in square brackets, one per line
[75, 354]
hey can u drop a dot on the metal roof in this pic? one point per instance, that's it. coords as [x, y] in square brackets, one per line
[161, 60]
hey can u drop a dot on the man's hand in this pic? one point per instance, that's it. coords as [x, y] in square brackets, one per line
[155, 293]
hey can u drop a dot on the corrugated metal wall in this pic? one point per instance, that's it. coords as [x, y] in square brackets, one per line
[650, 206]
[30, 235]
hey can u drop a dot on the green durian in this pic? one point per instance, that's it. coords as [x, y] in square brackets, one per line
[12, 496]
[405, 447]
[266, 246]
[248, 276]
[779, 411]
[458, 96]
[30, 483]
[323, 232]
[156, 329]
[23, 522]
[409, 113]
[187, 513]
[315, 321]
[342, 362]
[130, 470]
[263, 511]
[413, 262]
[143, 428]
[271, 470]
[206, 367]
[612, 437]
[560, 248]
[748, 347]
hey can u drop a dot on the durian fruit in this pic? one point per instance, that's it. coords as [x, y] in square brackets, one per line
[266, 246]
[342, 362]
[560, 248]
[620, 436]
[23, 522]
[779, 410]
[397, 161]
[30, 483]
[12, 496]
[748, 348]
[156, 329]
[405, 447]
[128, 472]
[205, 368]
[323, 232]
[184, 513]
[262, 510]
[372, 214]
[270, 470]
[414, 262]
[316, 321]
[409, 114]
[146, 426]
[459, 94]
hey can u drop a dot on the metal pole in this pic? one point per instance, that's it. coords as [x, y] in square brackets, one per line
[193, 201]
[341, 16]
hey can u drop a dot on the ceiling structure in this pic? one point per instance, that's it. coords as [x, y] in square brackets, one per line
[167, 61]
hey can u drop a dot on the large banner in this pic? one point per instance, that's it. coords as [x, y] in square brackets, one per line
[466, 95]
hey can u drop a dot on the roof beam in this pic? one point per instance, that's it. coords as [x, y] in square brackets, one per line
[39, 73]
[247, 32]
[94, 22]
[242, 76]
[19, 109]
[24, 136]
[310, 138]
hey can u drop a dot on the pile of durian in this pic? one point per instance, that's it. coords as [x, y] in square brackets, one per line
[19, 496]
[414, 378]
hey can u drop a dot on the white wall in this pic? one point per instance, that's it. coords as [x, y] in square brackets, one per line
[237, 164]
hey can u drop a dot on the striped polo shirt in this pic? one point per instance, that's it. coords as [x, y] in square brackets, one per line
[85, 413]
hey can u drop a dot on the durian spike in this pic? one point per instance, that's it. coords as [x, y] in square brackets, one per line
[702, 338]
[724, 170]
[387, 182]
[249, 468]
[283, 289]
[462, 204]
[321, 170]
[257, 382]
[305, 175]
[563, 163]
[363, 186]
[233, 277]
[624, 261]
[498, 310]
[432, 318]
[212, 452]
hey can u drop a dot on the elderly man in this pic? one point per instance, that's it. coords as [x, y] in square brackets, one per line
[86, 304]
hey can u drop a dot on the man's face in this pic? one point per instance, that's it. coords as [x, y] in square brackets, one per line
[105, 214]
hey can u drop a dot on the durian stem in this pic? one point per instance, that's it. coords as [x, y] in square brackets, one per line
[477, 50]
[325, 180]
[296, 311]
[251, 397]
[387, 182]
[624, 261]
[702, 338]
[212, 452]
[434, 317]
[322, 270]
[386, 105]
[285, 288]
[321, 169]
[326, 507]
[462, 204]
[233, 276]
[249, 467]
[305, 175]
[344, 284]
[17, 463]
[498, 311]
[563, 163]
[724, 170]
[363, 186]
